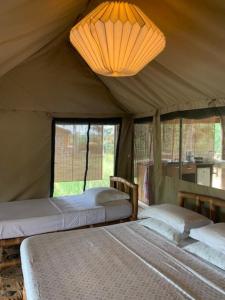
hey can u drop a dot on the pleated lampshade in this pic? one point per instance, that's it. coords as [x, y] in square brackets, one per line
[117, 39]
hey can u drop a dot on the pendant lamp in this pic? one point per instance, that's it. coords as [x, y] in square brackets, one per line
[117, 39]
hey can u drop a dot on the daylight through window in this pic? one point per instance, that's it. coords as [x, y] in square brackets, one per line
[85, 156]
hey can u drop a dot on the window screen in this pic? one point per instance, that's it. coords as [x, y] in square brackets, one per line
[170, 134]
[84, 155]
[102, 154]
[143, 160]
[198, 139]
[201, 152]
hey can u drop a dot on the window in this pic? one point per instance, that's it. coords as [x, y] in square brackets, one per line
[202, 149]
[84, 155]
[170, 135]
[196, 155]
[198, 139]
[143, 160]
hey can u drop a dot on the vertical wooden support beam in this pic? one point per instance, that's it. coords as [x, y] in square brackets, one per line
[180, 199]
[134, 203]
[157, 167]
[180, 148]
[212, 211]
[112, 184]
[197, 204]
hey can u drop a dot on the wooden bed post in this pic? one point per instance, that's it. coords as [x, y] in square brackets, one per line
[180, 199]
[212, 211]
[135, 203]
[131, 188]
[24, 294]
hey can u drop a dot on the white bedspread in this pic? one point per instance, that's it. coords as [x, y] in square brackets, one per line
[125, 261]
[30, 217]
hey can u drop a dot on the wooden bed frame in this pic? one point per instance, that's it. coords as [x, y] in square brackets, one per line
[199, 201]
[116, 182]
[129, 188]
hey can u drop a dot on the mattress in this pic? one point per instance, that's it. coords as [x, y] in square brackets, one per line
[30, 217]
[123, 261]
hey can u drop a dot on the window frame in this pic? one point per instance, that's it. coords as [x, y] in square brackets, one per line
[197, 114]
[81, 121]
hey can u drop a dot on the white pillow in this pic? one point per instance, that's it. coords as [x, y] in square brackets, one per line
[212, 235]
[180, 218]
[165, 230]
[102, 195]
[209, 254]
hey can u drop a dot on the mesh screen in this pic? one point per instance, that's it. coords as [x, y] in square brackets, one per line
[102, 154]
[198, 139]
[143, 160]
[170, 134]
[201, 157]
[70, 152]
[79, 150]
[95, 155]
[201, 147]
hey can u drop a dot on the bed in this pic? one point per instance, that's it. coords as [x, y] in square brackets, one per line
[122, 261]
[26, 218]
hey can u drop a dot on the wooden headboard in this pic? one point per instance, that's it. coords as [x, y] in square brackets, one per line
[130, 188]
[200, 200]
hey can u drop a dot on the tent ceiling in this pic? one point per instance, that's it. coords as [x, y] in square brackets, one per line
[191, 70]
[56, 81]
[188, 74]
[27, 26]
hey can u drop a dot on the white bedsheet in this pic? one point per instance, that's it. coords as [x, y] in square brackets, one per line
[125, 261]
[30, 217]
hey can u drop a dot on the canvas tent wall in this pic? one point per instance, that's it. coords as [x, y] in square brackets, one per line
[29, 101]
[43, 77]
[54, 83]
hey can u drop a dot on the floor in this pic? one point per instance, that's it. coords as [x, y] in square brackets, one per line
[11, 280]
